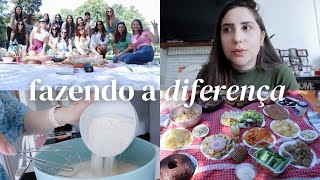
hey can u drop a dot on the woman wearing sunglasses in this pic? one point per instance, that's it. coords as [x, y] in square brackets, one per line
[38, 39]
[63, 45]
[20, 35]
[111, 20]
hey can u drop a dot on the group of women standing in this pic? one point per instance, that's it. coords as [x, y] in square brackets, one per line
[87, 37]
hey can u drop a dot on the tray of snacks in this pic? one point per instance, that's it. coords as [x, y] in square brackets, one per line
[252, 136]
[285, 128]
[245, 119]
[288, 102]
[209, 105]
[272, 161]
[303, 156]
[176, 139]
[276, 111]
[217, 147]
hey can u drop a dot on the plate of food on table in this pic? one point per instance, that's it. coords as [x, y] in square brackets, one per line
[303, 156]
[217, 146]
[178, 166]
[276, 111]
[285, 128]
[244, 119]
[252, 136]
[288, 102]
[176, 139]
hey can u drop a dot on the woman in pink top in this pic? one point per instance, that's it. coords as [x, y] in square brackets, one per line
[141, 42]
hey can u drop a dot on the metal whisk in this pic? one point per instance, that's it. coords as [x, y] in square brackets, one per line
[56, 159]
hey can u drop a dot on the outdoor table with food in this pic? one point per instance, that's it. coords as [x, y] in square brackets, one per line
[53, 73]
[240, 140]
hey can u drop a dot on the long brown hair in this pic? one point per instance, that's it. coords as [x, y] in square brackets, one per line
[120, 37]
[218, 70]
[103, 31]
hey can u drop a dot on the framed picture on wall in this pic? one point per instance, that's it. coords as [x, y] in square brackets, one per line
[295, 60]
[284, 53]
[304, 61]
[302, 52]
[286, 60]
[278, 52]
[293, 52]
[296, 69]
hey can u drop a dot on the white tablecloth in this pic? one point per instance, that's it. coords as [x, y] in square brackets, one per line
[20, 76]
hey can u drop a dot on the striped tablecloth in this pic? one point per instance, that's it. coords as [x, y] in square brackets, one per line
[225, 169]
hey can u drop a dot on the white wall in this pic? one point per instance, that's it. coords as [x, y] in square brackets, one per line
[295, 24]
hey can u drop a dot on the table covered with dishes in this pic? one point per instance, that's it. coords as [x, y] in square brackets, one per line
[229, 140]
[19, 76]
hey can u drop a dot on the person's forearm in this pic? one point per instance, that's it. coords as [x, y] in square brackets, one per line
[156, 36]
[37, 122]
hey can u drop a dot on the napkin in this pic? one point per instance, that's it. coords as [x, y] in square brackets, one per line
[314, 119]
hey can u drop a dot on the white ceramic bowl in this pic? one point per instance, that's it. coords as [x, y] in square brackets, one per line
[204, 129]
[312, 136]
[189, 123]
[7, 59]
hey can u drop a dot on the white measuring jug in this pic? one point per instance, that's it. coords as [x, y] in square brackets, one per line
[108, 127]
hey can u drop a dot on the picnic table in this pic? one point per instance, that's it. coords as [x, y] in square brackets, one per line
[225, 169]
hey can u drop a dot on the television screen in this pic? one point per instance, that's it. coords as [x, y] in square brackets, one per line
[189, 20]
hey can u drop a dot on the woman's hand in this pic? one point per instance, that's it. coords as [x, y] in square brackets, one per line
[5, 147]
[118, 55]
[71, 114]
[155, 25]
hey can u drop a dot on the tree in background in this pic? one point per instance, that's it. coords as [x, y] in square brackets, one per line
[29, 5]
[3, 22]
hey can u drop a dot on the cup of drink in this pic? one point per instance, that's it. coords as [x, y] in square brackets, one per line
[235, 131]
[18, 59]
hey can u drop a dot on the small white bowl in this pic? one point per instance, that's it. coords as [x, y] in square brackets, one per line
[309, 140]
[7, 59]
[204, 128]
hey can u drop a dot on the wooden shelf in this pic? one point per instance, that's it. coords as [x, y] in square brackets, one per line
[185, 44]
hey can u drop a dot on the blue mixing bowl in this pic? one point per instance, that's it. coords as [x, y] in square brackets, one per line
[141, 152]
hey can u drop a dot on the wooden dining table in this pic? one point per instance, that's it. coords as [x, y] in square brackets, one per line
[225, 168]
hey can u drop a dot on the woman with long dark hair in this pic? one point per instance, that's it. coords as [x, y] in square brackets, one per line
[123, 46]
[99, 40]
[47, 19]
[141, 41]
[54, 34]
[63, 45]
[242, 53]
[82, 41]
[57, 21]
[20, 35]
[70, 26]
[80, 22]
[29, 22]
[17, 16]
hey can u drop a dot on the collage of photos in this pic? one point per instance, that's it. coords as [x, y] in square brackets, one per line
[159, 90]
[255, 114]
